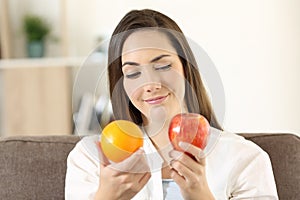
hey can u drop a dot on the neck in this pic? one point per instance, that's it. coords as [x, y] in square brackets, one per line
[158, 132]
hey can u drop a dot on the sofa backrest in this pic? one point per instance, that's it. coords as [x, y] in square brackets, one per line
[35, 167]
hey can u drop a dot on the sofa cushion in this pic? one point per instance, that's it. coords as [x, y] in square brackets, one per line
[34, 167]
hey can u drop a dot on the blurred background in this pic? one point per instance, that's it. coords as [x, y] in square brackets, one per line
[255, 46]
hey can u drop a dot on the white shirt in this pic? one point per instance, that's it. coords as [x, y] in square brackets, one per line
[235, 169]
[171, 190]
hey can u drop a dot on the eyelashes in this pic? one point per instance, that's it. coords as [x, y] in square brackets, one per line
[137, 74]
[163, 68]
[133, 75]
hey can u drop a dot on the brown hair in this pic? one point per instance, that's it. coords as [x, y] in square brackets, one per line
[196, 97]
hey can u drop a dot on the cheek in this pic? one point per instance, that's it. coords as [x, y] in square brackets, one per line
[132, 90]
[175, 82]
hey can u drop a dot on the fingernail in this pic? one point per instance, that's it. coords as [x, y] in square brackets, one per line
[175, 154]
[184, 145]
[201, 154]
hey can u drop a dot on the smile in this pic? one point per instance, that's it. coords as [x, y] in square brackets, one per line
[156, 100]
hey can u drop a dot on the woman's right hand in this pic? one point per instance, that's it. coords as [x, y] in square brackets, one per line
[122, 180]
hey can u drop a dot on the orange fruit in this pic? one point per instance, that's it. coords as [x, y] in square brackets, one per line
[120, 139]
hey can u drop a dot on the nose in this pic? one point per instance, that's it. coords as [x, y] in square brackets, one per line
[151, 87]
[152, 81]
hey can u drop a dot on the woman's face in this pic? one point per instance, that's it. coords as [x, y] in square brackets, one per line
[153, 75]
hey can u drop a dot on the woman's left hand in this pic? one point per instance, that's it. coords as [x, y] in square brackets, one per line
[189, 173]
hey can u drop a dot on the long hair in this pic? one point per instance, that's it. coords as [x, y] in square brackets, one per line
[196, 97]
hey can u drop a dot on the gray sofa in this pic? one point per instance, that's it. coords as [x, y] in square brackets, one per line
[34, 167]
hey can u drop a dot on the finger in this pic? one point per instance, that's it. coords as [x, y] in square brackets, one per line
[103, 158]
[145, 178]
[184, 171]
[186, 160]
[179, 179]
[193, 150]
[136, 181]
[136, 163]
[130, 161]
[141, 164]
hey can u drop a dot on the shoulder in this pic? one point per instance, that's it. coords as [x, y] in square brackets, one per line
[248, 163]
[85, 150]
[243, 169]
[234, 142]
[237, 149]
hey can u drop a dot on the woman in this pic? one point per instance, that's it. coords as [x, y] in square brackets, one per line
[153, 76]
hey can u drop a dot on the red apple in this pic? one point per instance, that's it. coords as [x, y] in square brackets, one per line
[189, 127]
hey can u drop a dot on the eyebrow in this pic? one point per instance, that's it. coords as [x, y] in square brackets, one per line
[151, 61]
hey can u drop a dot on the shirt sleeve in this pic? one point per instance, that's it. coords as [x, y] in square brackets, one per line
[82, 176]
[253, 178]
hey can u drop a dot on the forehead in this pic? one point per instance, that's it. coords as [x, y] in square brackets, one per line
[147, 40]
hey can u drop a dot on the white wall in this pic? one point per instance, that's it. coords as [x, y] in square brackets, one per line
[48, 9]
[255, 45]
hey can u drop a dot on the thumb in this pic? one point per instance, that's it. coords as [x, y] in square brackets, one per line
[196, 152]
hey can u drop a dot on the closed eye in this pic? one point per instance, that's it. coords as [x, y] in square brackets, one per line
[163, 67]
[133, 75]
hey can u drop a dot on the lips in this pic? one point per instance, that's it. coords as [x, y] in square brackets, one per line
[156, 100]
